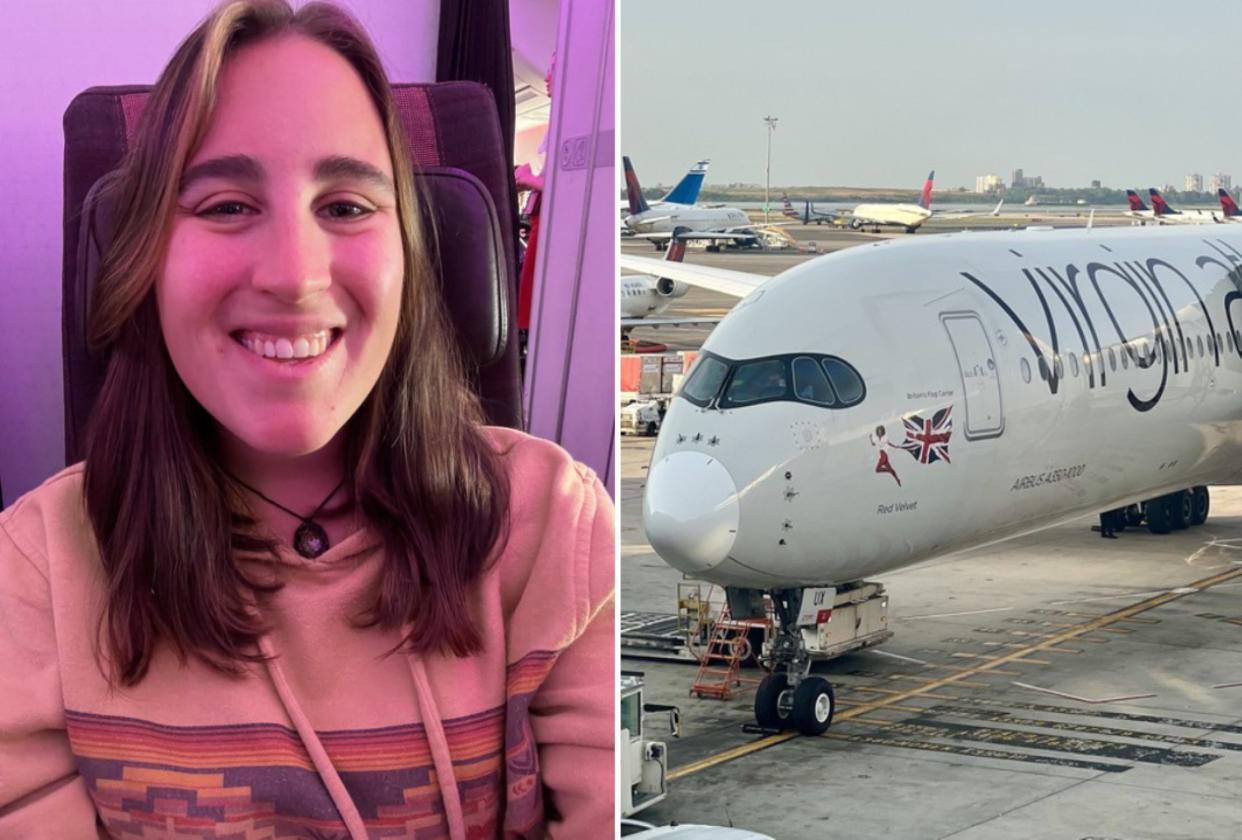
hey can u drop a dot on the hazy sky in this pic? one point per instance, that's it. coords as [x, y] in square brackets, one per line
[1132, 93]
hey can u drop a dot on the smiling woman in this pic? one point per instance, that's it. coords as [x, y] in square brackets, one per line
[297, 589]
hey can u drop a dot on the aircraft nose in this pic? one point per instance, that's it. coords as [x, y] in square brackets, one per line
[690, 511]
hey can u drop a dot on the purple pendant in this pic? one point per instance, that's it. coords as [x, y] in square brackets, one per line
[310, 540]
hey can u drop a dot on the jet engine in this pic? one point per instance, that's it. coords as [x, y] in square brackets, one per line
[666, 287]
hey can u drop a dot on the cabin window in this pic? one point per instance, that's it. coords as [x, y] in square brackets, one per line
[1059, 367]
[1073, 360]
[705, 381]
[1125, 357]
[759, 381]
[845, 380]
[1199, 341]
[1229, 340]
[811, 383]
[1043, 368]
[1025, 367]
[1112, 359]
[1237, 339]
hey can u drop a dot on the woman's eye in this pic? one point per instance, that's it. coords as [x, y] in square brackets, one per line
[227, 209]
[346, 210]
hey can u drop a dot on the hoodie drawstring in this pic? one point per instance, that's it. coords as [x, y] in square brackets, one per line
[314, 747]
[434, 728]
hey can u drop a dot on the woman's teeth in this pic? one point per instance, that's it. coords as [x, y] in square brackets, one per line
[301, 347]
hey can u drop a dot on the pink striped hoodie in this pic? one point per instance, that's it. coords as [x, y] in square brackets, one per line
[330, 739]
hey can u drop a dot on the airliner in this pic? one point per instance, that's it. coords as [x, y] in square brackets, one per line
[686, 190]
[908, 216]
[645, 297]
[716, 224]
[901, 400]
[1167, 215]
[1228, 207]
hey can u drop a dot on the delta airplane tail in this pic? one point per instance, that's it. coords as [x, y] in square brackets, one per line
[687, 189]
[633, 191]
[1228, 205]
[925, 200]
[1136, 203]
[1159, 206]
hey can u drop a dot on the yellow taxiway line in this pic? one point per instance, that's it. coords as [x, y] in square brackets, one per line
[891, 699]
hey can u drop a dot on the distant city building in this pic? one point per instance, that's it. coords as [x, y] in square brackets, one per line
[1095, 185]
[1017, 180]
[1194, 182]
[1220, 181]
[1168, 188]
[988, 183]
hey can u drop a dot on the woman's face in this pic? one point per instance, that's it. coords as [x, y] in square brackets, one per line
[280, 294]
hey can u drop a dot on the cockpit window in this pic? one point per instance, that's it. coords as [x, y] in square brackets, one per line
[846, 381]
[809, 378]
[757, 381]
[810, 383]
[705, 381]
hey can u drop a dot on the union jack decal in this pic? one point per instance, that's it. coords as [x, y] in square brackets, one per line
[927, 440]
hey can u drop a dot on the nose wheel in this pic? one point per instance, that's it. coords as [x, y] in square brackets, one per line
[790, 697]
[807, 708]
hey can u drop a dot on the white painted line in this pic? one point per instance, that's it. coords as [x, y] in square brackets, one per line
[899, 656]
[1184, 590]
[1087, 700]
[1228, 685]
[1139, 595]
[951, 615]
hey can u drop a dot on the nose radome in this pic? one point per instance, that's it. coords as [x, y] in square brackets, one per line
[690, 511]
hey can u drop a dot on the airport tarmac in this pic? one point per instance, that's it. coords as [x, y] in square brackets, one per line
[1053, 686]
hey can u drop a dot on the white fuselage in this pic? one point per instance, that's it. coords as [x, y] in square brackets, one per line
[785, 493]
[643, 295]
[904, 215]
[664, 218]
[1182, 217]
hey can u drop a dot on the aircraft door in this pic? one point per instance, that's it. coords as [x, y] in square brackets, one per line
[980, 378]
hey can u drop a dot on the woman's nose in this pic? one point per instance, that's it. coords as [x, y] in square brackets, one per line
[295, 257]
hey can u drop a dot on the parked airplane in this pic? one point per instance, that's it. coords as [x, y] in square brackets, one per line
[645, 297]
[1167, 215]
[880, 406]
[908, 216]
[716, 224]
[1228, 207]
[1139, 210]
[789, 208]
[685, 192]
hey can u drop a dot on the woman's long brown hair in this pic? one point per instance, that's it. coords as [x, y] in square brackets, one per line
[169, 522]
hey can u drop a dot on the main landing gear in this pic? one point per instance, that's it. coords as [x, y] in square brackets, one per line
[1163, 514]
[790, 697]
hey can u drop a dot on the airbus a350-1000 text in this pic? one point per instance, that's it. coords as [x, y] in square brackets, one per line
[897, 401]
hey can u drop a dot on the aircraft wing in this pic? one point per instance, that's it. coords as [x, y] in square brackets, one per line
[670, 321]
[736, 283]
[732, 233]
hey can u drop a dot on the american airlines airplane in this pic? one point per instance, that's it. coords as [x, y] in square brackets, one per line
[901, 400]
[717, 224]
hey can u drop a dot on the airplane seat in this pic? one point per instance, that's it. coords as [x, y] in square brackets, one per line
[455, 142]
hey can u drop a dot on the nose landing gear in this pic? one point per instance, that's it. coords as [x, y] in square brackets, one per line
[790, 697]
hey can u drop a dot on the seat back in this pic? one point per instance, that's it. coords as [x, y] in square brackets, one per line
[458, 154]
